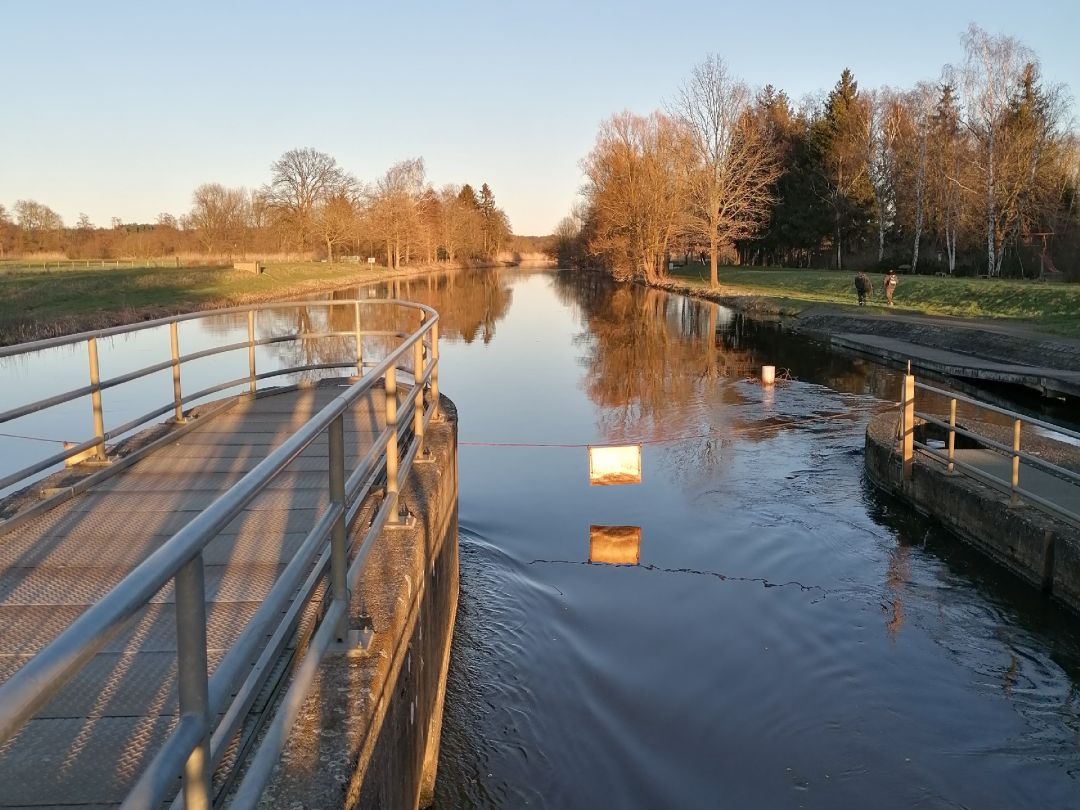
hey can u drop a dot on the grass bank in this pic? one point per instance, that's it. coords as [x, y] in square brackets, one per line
[36, 304]
[1049, 307]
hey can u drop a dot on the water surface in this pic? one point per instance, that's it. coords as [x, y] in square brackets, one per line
[790, 638]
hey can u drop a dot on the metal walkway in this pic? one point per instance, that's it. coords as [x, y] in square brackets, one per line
[120, 706]
[153, 614]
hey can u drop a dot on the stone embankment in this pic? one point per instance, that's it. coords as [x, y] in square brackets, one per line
[1040, 548]
[368, 734]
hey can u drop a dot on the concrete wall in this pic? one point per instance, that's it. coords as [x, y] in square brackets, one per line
[368, 735]
[1040, 549]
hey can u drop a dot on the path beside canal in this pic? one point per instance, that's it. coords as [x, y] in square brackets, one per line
[984, 349]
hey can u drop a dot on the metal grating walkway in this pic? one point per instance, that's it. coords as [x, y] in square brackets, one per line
[87, 746]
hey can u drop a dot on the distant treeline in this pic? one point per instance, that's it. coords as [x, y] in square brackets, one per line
[976, 173]
[311, 207]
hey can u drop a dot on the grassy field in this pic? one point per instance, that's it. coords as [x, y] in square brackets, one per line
[37, 303]
[1050, 307]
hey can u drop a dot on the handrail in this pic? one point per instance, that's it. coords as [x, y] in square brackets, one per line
[1012, 486]
[1031, 420]
[195, 745]
[96, 445]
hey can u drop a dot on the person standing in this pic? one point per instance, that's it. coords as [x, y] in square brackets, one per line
[863, 287]
[890, 286]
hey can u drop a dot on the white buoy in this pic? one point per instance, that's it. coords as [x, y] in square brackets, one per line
[768, 375]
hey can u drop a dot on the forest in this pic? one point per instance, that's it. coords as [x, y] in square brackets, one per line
[976, 172]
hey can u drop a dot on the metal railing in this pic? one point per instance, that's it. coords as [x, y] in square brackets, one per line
[197, 745]
[1011, 486]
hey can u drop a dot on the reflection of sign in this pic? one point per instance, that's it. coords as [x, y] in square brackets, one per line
[615, 545]
[615, 465]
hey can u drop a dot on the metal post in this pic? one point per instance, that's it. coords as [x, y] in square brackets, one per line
[192, 677]
[338, 559]
[1015, 498]
[95, 400]
[251, 351]
[178, 400]
[359, 340]
[908, 422]
[418, 387]
[952, 433]
[392, 442]
[435, 369]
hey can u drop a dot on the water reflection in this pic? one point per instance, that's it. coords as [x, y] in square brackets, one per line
[795, 638]
[615, 545]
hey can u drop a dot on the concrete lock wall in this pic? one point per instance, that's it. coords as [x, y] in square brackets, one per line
[1037, 547]
[368, 734]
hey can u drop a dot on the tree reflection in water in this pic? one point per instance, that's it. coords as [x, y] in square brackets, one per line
[644, 350]
[469, 302]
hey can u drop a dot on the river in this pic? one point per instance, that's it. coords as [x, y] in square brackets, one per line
[791, 637]
[788, 637]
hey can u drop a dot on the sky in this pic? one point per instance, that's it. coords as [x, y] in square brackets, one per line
[122, 109]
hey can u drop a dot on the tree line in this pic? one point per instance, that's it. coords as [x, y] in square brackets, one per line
[311, 206]
[975, 173]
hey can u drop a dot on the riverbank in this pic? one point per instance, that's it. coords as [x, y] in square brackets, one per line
[38, 304]
[1053, 308]
[1042, 352]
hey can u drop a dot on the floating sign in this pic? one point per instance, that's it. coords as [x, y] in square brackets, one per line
[615, 545]
[610, 466]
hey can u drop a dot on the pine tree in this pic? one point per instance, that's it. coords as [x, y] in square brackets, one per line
[839, 136]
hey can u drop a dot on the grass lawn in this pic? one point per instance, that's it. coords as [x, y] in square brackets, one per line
[37, 303]
[1051, 307]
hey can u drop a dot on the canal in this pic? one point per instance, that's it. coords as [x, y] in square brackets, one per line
[781, 634]
[789, 638]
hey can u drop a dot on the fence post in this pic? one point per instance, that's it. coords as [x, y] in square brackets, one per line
[95, 400]
[359, 340]
[418, 388]
[192, 677]
[392, 442]
[908, 422]
[251, 352]
[1014, 499]
[952, 434]
[178, 400]
[435, 415]
[338, 556]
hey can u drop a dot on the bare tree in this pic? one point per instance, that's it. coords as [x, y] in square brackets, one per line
[884, 117]
[218, 216]
[394, 208]
[38, 224]
[334, 219]
[638, 187]
[303, 178]
[734, 162]
[993, 67]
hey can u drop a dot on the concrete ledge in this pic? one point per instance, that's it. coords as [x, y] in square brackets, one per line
[1039, 548]
[368, 734]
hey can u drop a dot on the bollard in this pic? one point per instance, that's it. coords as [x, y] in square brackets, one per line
[768, 375]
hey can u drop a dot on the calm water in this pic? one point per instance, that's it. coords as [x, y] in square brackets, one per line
[790, 638]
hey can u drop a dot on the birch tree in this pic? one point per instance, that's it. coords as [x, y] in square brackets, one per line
[992, 67]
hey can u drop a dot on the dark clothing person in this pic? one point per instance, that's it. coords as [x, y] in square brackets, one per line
[890, 286]
[863, 287]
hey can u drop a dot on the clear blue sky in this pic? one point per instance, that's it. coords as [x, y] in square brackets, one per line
[121, 109]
